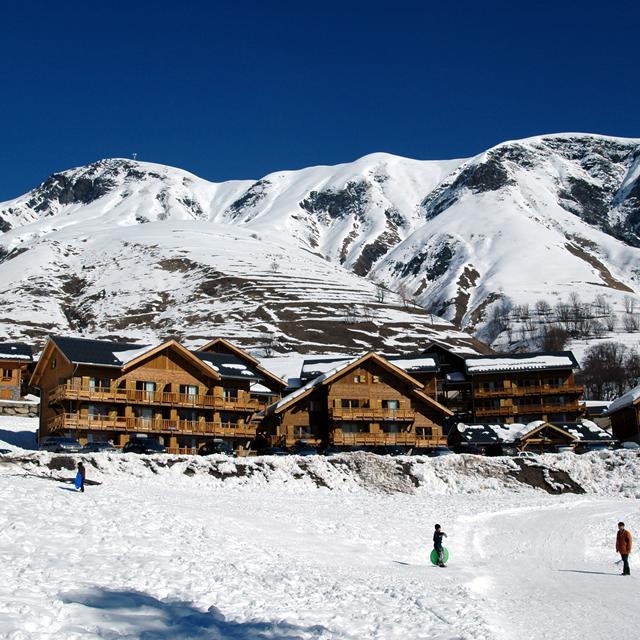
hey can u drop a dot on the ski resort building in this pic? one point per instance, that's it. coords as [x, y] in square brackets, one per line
[100, 390]
[366, 401]
[624, 413]
[15, 360]
[506, 388]
[538, 437]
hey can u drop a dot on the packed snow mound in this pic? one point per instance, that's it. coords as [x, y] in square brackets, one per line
[601, 473]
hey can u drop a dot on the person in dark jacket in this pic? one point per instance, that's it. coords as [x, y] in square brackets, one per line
[623, 547]
[81, 473]
[438, 534]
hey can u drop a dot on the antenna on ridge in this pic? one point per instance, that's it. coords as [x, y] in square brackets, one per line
[135, 155]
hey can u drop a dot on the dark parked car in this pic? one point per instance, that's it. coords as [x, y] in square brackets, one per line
[59, 444]
[438, 452]
[143, 445]
[390, 450]
[216, 446]
[273, 451]
[303, 448]
[588, 447]
[98, 447]
[629, 445]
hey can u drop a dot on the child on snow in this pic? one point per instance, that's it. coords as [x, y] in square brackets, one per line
[81, 474]
[438, 534]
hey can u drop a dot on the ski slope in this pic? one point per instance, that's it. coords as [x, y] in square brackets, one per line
[156, 552]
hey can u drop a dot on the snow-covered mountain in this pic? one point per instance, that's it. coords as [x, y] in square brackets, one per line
[140, 250]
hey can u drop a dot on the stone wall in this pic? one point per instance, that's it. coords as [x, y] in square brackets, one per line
[24, 410]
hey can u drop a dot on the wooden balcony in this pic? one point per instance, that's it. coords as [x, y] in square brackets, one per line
[158, 398]
[372, 415]
[373, 439]
[75, 421]
[525, 409]
[537, 390]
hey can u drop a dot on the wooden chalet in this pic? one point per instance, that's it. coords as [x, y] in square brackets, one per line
[15, 360]
[524, 387]
[101, 390]
[538, 436]
[364, 401]
[624, 414]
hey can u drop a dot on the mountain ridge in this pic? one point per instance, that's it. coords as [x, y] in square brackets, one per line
[453, 238]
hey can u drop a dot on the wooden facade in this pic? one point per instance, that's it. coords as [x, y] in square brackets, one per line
[15, 360]
[366, 402]
[624, 415]
[509, 387]
[181, 397]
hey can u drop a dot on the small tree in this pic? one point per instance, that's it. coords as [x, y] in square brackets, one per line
[380, 293]
[543, 308]
[629, 304]
[553, 338]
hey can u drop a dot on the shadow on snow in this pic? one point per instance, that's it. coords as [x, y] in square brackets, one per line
[133, 614]
[22, 439]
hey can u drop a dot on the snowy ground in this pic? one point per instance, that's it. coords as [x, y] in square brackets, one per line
[161, 554]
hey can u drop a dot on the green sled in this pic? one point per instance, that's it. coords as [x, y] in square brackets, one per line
[434, 556]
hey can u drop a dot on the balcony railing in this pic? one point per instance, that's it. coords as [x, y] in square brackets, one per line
[143, 425]
[373, 439]
[359, 413]
[135, 396]
[514, 392]
[524, 409]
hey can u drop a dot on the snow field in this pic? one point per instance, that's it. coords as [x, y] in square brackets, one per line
[307, 549]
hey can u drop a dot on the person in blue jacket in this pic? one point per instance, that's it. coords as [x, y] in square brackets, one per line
[81, 474]
[438, 534]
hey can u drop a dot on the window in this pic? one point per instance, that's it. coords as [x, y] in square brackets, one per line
[144, 413]
[424, 432]
[354, 427]
[189, 389]
[188, 415]
[391, 404]
[7, 374]
[314, 405]
[54, 363]
[348, 403]
[230, 395]
[358, 379]
[229, 420]
[143, 385]
[376, 379]
[99, 384]
[96, 412]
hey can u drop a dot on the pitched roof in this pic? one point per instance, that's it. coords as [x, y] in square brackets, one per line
[16, 351]
[482, 434]
[100, 352]
[242, 355]
[316, 366]
[343, 367]
[228, 366]
[627, 400]
[521, 362]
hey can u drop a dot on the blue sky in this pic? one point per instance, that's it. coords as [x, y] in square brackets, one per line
[238, 89]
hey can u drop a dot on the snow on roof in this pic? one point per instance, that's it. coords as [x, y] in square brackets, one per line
[411, 364]
[541, 361]
[586, 430]
[131, 354]
[310, 385]
[625, 401]
[256, 387]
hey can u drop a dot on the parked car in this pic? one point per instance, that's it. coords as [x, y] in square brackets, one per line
[565, 448]
[629, 445]
[144, 445]
[437, 452]
[212, 447]
[390, 450]
[588, 447]
[303, 448]
[273, 451]
[526, 454]
[98, 447]
[59, 444]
